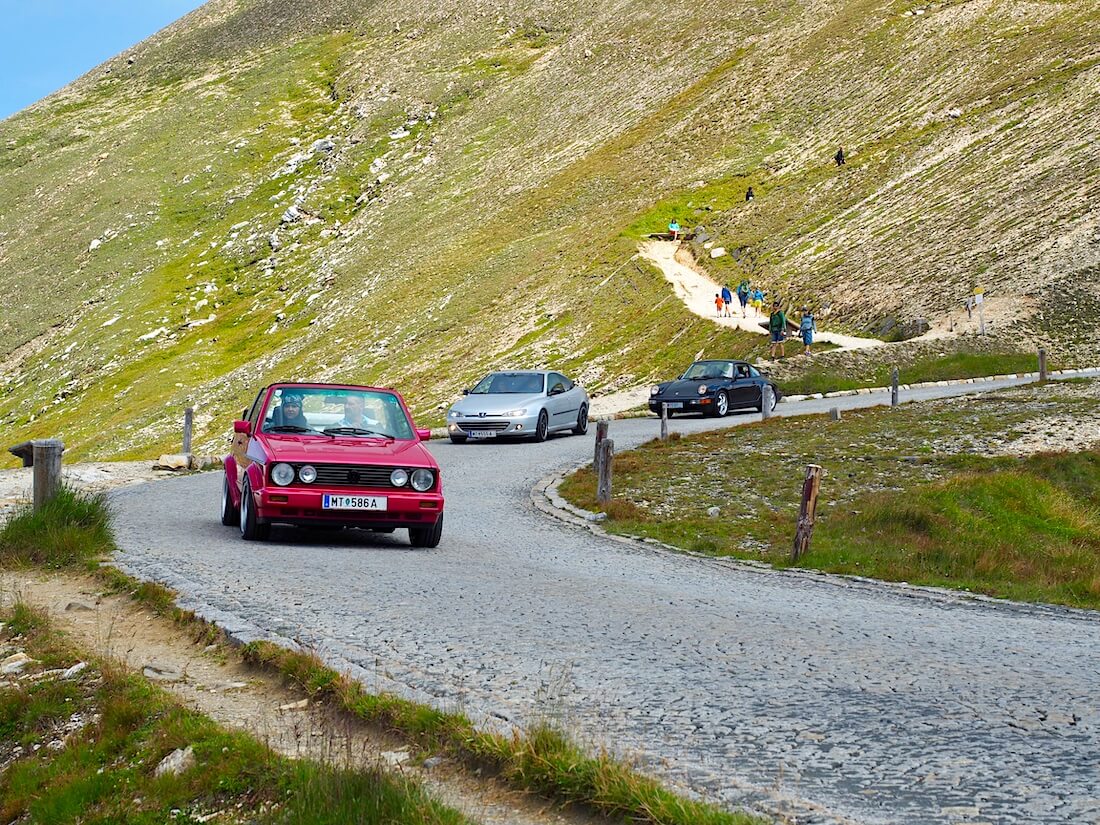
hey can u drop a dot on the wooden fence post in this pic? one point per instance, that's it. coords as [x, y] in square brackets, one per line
[188, 419]
[894, 387]
[766, 401]
[601, 434]
[664, 421]
[603, 467]
[47, 469]
[1042, 364]
[807, 512]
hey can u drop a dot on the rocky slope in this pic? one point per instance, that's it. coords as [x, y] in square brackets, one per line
[404, 194]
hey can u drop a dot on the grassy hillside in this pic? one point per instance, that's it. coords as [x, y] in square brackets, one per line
[397, 194]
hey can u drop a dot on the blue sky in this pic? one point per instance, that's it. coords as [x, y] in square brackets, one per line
[46, 43]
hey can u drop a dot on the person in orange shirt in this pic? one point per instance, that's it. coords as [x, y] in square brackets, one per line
[719, 303]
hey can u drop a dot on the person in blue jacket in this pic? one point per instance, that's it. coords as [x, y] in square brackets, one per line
[727, 296]
[806, 329]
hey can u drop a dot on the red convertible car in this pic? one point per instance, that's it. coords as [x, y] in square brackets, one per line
[331, 455]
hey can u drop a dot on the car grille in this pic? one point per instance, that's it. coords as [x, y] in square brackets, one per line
[482, 424]
[351, 475]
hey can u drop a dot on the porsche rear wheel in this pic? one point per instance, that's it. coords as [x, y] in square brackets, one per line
[426, 536]
[251, 529]
[231, 515]
[721, 405]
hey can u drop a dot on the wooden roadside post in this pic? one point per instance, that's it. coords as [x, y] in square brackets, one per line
[1042, 364]
[894, 387]
[834, 413]
[603, 468]
[188, 420]
[807, 512]
[766, 401]
[47, 470]
[664, 421]
[601, 434]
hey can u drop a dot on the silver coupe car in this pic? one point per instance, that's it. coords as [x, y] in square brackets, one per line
[531, 403]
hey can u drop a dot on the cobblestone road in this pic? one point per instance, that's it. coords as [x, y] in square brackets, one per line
[825, 700]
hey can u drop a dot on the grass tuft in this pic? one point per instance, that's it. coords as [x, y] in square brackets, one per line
[71, 528]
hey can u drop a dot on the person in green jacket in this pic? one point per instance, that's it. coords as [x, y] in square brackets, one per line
[777, 328]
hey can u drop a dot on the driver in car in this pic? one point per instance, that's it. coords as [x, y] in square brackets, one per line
[354, 415]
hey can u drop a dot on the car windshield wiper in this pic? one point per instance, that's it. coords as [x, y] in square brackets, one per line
[288, 428]
[353, 431]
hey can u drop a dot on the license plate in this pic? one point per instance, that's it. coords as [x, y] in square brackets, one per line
[482, 433]
[342, 502]
[675, 405]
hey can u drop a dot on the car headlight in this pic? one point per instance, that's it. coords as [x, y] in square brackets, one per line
[399, 478]
[422, 480]
[308, 473]
[703, 389]
[654, 390]
[282, 474]
[511, 413]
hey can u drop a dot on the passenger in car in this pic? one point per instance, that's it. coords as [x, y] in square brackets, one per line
[289, 413]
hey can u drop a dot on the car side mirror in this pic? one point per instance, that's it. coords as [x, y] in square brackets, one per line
[242, 427]
[557, 390]
[423, 434]
[465, 390]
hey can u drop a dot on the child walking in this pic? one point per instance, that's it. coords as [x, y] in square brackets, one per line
[719, 303]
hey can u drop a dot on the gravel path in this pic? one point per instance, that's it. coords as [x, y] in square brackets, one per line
[815, 697]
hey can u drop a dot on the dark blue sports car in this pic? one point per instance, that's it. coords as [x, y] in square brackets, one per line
[714, 388]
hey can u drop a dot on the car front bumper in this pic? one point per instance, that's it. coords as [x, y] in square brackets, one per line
[500, 427]
[295, 505]
[701, 404]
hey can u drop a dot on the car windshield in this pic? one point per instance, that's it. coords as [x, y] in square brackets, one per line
[522, 383]
[709, 370]
[335, 411]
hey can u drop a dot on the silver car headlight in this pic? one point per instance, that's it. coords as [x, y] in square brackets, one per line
[703, 389]
[514, 413]
[399, 478]
[654, 390]
[308, 474]
[422, 480]
[282, 474]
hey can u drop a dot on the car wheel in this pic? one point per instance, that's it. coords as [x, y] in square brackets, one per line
[426, 536]
[251, 529]
[231, 515]
[458, 439]
[760, 403]
[721, 405]
[582, 421]
[542, 428]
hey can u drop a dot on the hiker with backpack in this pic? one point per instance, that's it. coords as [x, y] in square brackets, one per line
[806, 329]
[777, 329]
[743, 295]
[727, 299]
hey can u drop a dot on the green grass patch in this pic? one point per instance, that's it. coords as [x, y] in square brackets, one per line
[103, 772]
[918, 493]
[71, 528]
[544, 761]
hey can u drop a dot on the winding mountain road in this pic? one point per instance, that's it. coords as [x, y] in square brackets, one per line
[822, 698]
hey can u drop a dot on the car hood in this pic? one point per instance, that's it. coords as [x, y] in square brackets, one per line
[496, 403]
[686, 388]
[295, 448]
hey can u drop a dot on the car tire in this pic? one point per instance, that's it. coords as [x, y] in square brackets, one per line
[251, 529]
[542, 427]
[426, 536]
[458, 439]
[582, 421]
[721, 406]
[231, 514]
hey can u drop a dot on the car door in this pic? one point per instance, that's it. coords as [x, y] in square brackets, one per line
[239, 450]
[558, 399]
[743, 391]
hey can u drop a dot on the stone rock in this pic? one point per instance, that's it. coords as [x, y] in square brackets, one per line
[175, 461]
[176, 762]
[713, 512]
[204, 462]
[718, 252]
[161, 672]
[15, 663]
[597, 517]
[299, 705]
[433, 762]
[292, 214]
[954, 113]
[77, 607]
[94, 245]
[395, 758]
[75, 670]
[323, 145]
